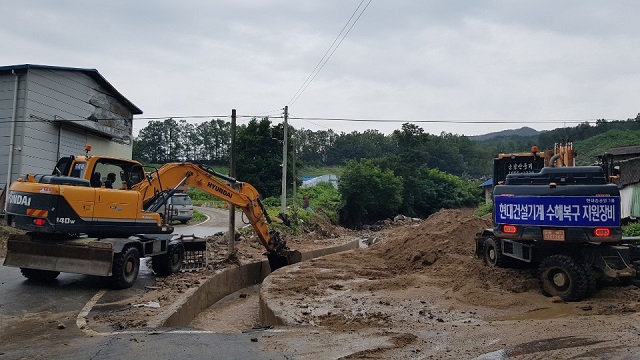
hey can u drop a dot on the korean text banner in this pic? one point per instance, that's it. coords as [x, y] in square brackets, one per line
[558, 210]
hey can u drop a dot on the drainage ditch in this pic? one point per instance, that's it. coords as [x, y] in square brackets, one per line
[230, 289]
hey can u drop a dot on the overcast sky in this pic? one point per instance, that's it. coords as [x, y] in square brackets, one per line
[523, 62]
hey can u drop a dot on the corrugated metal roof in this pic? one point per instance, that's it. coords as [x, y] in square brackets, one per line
[629, 172]
[93, 73]
[625, 150]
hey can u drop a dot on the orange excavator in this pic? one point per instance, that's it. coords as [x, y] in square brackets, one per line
[98, 215]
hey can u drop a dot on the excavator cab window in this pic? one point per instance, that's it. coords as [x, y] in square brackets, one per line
[78, 170]
[63, 166]
[136, 174]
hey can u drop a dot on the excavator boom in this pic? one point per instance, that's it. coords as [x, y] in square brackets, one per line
[85, 195]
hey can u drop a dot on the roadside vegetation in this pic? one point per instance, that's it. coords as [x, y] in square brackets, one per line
[409, 171]
[631, 229]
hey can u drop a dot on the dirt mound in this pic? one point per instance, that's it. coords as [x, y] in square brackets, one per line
[444, 245]
[445, 233]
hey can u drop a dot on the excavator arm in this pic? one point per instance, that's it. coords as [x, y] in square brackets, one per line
[242, 195]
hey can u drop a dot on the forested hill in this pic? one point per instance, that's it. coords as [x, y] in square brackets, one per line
[590, 140]
[259, 145]
[523, 131]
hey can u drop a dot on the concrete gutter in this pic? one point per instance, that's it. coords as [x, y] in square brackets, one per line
[228, 281]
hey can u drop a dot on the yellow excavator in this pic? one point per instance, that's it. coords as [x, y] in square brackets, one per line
[98, 215]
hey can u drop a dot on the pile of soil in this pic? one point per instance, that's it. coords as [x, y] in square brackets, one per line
[444, 246]
[436, 253]
[422, 292]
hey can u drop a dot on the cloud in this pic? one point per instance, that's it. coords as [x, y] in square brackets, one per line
[436, 60]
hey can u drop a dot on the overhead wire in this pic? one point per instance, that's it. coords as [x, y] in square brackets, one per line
[311, 119]
[310, 122]
[323, 61]
[325, 53]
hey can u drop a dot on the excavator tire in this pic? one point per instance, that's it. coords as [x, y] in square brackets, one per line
[170, 262]
[39, 275]
[592, 280]
[126, 265]
[493, 253]
[562, 276]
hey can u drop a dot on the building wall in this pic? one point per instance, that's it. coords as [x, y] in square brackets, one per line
[59, 112]
[7, 91]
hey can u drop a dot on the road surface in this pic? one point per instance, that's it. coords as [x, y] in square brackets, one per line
[217, 221]
[40, 321]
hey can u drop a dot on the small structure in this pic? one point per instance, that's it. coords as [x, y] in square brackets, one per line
[628, 160]
[49, 112]
[488, 190]
[331, 178]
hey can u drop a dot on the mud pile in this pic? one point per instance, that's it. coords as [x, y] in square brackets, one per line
[444, 245]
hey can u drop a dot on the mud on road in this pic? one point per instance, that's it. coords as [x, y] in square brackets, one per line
[418, 292]
[422, 293]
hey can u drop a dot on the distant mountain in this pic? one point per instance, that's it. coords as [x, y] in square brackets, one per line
[523, 131]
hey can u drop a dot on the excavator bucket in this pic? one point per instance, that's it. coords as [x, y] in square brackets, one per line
[287, 257]
[81, 256]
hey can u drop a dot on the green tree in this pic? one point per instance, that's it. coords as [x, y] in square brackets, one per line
[369, 193]
[427, 191]
[215, 137]
[259, 156]
[153, 144]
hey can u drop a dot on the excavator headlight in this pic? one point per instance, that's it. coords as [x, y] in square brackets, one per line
[509, 229]
[602, 232]
[39, 222]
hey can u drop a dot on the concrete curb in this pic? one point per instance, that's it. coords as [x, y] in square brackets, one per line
[268, 316]
[228, 281]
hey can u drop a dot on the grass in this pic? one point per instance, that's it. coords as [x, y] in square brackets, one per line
[197, 216]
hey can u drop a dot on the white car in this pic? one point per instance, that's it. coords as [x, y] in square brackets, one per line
[180, 208]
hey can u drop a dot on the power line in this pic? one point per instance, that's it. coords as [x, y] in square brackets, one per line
[323, 61]
[311, 119]
[325, 53]
[310, 122]
[460, 121]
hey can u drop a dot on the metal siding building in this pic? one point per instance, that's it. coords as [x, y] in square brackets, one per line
[56, 111]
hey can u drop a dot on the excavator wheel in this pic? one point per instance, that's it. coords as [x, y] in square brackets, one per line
[493, 253]
[39, 275]
[170, 262]
[562, 276]
[126, 266]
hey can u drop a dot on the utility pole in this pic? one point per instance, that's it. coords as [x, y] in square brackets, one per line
[283, 208]
[294, 195]
[232, 173]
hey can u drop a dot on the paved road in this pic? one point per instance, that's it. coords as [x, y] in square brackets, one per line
[40, 321]
[218, 220]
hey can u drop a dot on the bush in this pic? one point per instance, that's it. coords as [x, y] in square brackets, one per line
[272, 202]
[323, 196]
[484, 209]
[633, 229]
[369, 193]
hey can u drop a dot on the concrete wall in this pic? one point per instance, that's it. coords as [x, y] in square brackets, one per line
[227, 282]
